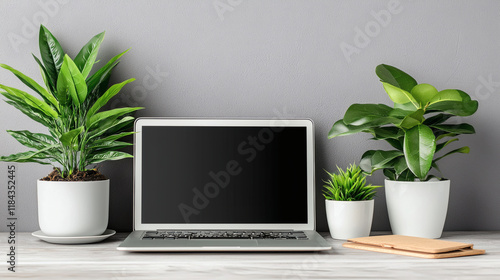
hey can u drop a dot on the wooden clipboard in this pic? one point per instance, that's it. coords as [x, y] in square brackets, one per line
[413, 246]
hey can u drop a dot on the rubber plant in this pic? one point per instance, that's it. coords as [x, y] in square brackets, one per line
[80, 132]
[417, 127]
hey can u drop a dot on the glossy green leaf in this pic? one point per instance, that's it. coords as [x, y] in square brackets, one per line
[93, 80]
[51, 86]
[32, 113]
[387, 132]
[394, 76]
[366, 161]
[339, 128]
[406, 176]
[412, 119]
[360, 114]
[419, 147]
[462, 150]
[400, 165]
[85, 59]
[446, 95]
[437, 119]
[23, 97]
[112, 91]
[390, 174]
[380, 158]
[47, 97]
[463, 128]
[69, 138]
[51, 53]
[424, 93]
[466, 107]
[114, 137]
[441, 136]
[108, 156]
[400, 96]
[110, 114]
[440, 146]
[32, 140]
[71, 81]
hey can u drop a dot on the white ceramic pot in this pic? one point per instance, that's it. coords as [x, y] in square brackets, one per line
[417, 208]
[349, 219]
[69, 209]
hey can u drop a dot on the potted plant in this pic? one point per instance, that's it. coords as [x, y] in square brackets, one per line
[349, 203]
[418, 129]
[73, 199]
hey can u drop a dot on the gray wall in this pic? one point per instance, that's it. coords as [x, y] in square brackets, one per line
[261, 58]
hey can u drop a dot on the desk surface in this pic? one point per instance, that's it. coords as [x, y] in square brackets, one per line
[38, 259]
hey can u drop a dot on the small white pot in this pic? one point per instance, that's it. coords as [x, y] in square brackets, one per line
[349, 219]
[69, 209]
[417, 208]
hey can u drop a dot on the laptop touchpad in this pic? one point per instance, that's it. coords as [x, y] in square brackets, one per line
[223, 243]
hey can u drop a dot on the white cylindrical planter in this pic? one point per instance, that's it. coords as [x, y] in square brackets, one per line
[417, 208]
[70, 209]
[349, 219]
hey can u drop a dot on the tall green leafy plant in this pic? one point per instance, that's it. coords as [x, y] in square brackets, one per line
[80, 133]
[417, 126]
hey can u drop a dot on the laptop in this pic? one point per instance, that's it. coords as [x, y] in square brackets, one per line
[223, 185]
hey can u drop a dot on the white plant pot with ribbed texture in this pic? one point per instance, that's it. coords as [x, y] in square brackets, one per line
[417, 208]
[70, 209]
[349, 219]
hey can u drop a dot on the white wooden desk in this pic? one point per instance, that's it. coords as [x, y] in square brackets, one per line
[40, 260]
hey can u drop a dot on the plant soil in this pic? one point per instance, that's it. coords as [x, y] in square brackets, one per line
[87, 175]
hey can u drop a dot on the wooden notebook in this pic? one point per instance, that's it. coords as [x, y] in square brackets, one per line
[413, 246]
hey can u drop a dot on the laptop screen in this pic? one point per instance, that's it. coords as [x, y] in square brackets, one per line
[224, 175]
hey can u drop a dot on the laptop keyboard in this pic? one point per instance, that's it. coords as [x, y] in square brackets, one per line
[233, 234]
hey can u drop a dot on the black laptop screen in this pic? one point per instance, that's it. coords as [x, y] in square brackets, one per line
[223, 175]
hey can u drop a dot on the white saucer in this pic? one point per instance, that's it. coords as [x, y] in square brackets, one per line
[74, 239]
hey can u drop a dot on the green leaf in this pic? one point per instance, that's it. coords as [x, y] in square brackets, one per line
[108, 155]
[93, 80]
[390, 174]
[51, 53]
[366, 161]
[71, 81]
[45, 75]
[22, 97]
[32, 140]
[407, 175]
[387, 132]
[111, 114]
[419, 148]
[339, 128]
[108, 127]
[68, 138]
[112, 91]
[360, 114]
[114, 137]
[380, 158]
[23, 157]
[400, 165]
[466, 107]
[412, 119]
[437, 119]
[441, 136]
[394, 76]
[31, 112]
[85, 59]
[400, 96]
[446, 95]
[47, 97]
[462, 150]
[462, 128]
[424, 93]
[440, 146]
